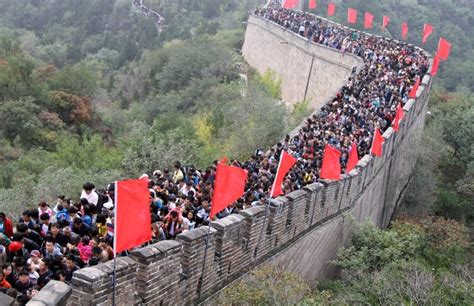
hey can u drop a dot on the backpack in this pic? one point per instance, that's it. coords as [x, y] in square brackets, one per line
[102, 199]
[62, 215]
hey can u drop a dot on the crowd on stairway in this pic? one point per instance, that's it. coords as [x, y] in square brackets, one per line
[52, 241]
[147, 12]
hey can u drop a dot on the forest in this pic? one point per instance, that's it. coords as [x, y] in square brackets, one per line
[91, 90]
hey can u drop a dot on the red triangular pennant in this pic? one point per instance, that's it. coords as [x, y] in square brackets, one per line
[434, 68]
[286, 162]
[444, 48]
[398, 117]
[377, 143]
[427, 30]
[353, 158]
[404, 30]
[385, 22]
[414, 89]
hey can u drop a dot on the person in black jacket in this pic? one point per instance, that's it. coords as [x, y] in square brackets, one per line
[28, 244]
[45, 274]
[70, 267]
[23, 283]
[80, 228]
[56, 233]
[30, 234]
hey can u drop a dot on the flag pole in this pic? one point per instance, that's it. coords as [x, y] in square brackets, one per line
[261, 230]
[267, 208]
[201, 278]
[114, 275]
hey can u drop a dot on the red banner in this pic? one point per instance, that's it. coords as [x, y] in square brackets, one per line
[331, 167]
[229, 186]
[351, 15]
[427, 30]
[368, 20]
[404, 30]
[385, 22]
[132, 214]
[377, 143]
[331, 9]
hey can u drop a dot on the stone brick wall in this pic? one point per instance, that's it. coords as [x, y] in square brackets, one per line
[297, 62]
[94, 285]
[303, 231]
[55, 293]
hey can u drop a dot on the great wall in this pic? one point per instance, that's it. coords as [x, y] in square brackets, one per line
[304, 229]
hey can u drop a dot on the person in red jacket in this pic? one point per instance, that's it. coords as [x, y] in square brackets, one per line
[3, 282]
[6, 225]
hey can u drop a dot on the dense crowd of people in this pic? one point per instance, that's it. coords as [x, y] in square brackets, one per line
[147, 12]
[52, 241]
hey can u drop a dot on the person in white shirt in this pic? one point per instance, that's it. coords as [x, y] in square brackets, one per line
[188, 221]
[88, 193]
[187, 188]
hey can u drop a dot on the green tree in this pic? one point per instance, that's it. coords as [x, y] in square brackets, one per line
[19, 121]
[75, 80]
[196, 60]
[267, 285]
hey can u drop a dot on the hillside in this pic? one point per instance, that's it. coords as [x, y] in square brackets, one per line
[91, 91]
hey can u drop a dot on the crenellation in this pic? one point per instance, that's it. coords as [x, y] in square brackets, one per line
[330, 195]
[356, 185]
[255, 231]
[410, 112]
[298, 208]
[158, 270]
[277, 229]
[194, 258]
[344, 195]
[228, 245]
[314, 205]
[362, 165]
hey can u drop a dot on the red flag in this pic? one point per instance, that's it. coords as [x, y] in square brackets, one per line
[434, 68]
[385, 22]
[351, 15]
[228, 187]
[353, 158]
[312, 4]
[286, 162]
[444, 47]
[427, 30]
[331, 167]
[331, 9]
[398, 117]
[368, 20]
[414, 89]
[290, 4]
[377, 143]
[404, 30]
[132, 214]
